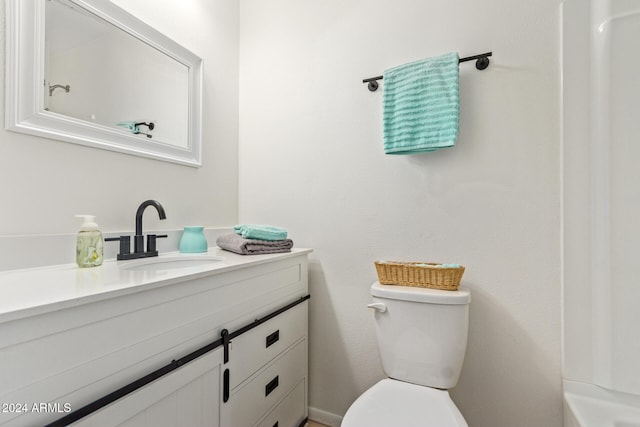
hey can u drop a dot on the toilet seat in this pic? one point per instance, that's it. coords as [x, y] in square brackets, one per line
[397, 403]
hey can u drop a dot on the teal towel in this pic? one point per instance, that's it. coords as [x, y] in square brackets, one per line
[130, 126]
[421, 105]
[260, 232]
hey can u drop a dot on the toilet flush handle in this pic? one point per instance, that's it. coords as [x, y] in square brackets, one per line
[378, 306]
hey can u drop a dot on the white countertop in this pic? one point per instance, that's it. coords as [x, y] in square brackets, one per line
[34, 291]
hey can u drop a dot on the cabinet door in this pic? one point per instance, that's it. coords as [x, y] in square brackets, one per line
[188, 396]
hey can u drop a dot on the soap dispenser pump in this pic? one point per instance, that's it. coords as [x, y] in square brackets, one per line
[89, 252]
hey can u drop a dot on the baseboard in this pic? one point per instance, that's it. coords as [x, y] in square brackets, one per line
[324, 417]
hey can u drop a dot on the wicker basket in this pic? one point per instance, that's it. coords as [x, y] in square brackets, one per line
[419, 274]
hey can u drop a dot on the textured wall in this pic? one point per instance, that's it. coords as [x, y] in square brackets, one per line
[311, 160]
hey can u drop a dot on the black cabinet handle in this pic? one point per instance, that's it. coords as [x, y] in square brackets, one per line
[273, 384]
[225, 386]
[273, 338]
[276, 424]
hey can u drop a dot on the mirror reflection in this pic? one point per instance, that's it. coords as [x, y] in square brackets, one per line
[98, 73]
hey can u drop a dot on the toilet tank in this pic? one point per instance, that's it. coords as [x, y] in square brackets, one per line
[422, 333]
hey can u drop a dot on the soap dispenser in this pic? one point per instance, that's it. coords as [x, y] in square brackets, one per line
[89, 252]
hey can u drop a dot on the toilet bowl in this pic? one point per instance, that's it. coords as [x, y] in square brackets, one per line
[422, 338]
[391, 403]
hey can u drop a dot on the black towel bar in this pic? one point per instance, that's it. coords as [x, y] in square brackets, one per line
[482, 62]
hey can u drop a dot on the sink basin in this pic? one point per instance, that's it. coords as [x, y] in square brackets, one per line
[171, 262]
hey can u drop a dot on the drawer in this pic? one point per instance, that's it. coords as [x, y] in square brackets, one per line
[255, 348]
[254, 399]
[290, 411]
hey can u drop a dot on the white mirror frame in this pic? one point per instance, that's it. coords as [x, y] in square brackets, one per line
[24, 112]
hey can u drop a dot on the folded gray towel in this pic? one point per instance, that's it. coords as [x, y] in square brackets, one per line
[235, 243]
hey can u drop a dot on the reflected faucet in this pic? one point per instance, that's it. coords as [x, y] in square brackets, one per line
[66, 88]
[138, 239]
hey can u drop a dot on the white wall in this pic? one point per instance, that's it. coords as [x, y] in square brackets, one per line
[46, 182]
[311, 160]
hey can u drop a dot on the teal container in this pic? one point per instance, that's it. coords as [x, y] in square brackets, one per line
[193, 240]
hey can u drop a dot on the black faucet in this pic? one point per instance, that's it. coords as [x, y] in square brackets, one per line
[138, 242]
[138, 239]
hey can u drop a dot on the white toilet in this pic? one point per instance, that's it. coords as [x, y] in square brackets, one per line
[422, 337]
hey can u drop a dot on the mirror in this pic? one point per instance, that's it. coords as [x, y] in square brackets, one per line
[88, 72]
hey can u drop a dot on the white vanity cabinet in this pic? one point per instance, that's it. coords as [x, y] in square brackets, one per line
[57, 358]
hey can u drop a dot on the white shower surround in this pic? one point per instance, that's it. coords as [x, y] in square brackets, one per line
[601, 202]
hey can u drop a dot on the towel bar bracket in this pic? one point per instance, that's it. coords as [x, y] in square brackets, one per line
[482, 62]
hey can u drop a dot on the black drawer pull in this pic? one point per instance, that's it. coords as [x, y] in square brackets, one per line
[273, 384]
[273, 338]
[276, 424]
